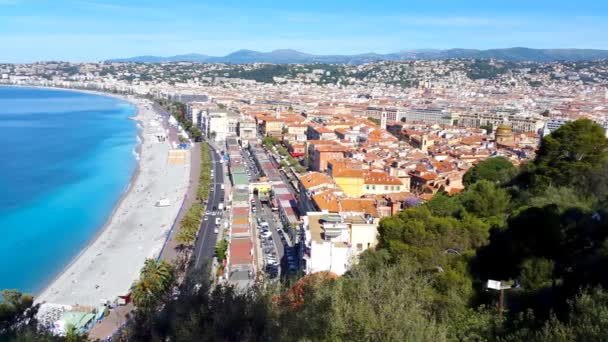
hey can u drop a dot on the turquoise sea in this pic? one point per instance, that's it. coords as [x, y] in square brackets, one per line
[65, 160]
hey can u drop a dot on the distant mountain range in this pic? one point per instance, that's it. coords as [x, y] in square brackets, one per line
[517, 54]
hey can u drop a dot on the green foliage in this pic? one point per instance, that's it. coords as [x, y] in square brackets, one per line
[391, 304]
[485, 69]
[374, 120]
[497, 170]
[587, 320]
[537, 273]
[282, 150]
[220, 250]
[12, 308]
[444, 205]
[189, 225]
[203, 312]
[563, 197]
[155, 280]
[18, 321]
[575, 155]
[196, 133]
[485, 200]
[269, 142]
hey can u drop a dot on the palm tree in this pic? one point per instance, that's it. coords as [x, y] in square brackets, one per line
[155, 280]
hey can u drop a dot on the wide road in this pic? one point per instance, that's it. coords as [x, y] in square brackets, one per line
[204, 248]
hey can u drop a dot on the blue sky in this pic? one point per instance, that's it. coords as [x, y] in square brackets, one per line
[88, 30]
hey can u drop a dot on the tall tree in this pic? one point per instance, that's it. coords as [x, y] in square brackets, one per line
[484, 199]
[155, 280]
[571, 156]
[498, 170]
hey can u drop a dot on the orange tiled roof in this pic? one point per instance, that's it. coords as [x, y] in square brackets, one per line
[381, 178]
[313, 179]
[351, 173]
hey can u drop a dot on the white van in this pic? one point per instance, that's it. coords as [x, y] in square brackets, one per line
[217, 221]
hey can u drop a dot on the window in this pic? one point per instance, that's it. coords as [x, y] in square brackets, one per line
[367, 187]
[359, 247]
[386, 187]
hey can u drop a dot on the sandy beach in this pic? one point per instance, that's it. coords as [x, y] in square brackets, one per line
[137, 229]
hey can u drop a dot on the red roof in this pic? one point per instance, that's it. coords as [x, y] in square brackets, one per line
[240, 252]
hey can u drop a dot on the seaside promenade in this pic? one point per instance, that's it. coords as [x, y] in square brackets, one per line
[137, 230]
[118, 317]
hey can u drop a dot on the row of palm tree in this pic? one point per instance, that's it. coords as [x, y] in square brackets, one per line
[205, 177]
[189, 225]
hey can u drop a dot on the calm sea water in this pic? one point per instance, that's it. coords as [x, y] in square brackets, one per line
[65, 160]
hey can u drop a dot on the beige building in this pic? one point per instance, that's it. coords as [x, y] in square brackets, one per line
[247, 129]
[518, 123]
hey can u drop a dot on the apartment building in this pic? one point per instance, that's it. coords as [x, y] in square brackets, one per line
[247, 129]
[430, 115]
[333, 242]
[391, 114]
[356, 183]
[518, 123]
[219, 124]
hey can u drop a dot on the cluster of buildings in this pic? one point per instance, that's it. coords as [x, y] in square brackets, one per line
[362, 141]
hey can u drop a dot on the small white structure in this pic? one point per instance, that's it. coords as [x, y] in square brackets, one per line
[493, 285]
[163, 202]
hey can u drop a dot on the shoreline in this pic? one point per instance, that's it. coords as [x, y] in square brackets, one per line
[107, 239]
[103, 227]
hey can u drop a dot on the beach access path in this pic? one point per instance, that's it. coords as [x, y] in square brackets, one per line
[136, 231]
